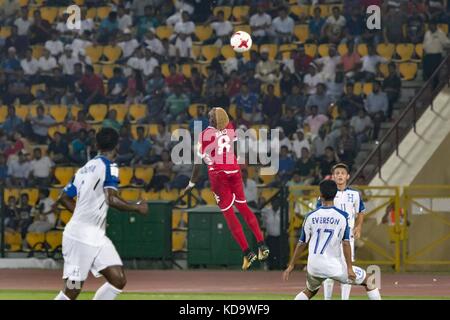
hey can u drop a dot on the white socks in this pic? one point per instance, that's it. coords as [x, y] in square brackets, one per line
[301, 296]
[374, 294]
[106, 292]
[345, 291]
[328, 289]
[61, 296]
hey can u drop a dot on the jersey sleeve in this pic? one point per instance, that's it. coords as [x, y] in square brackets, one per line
[346, 236]
[361, 207]
[112, 177]
[318, 203]
[70, 189]
[305, 234]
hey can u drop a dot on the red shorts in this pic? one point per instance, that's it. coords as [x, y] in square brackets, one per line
[227, 187]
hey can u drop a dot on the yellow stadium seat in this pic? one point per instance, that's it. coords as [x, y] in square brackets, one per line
[65, 216]
[33, 194]
[358, 88]
[164, 32]
[125, 176]
[176, 218]
[334, 111]
[186, 70]
[108, 71]
[196, 51]
[342, 49]
[226, 11]
[193, 109]
[323, 50]
[419, 50]
[150, 195]
[153, 129]
[11, 193]
[98, 69]
[58, 112]
[3, 113]
[405, 51]
[252, 172]
[383, 67]
[49, 13]
[121, 109]
[286, 50]
[38, 51]
[169, 195]
[362, 49]
[79, 2]
[209, 52]
[165, 69]
[232, 111]
[64, 175]
[408, 70]
[386, 50]
[138, 111]
[35, 240]
[144, 173]
[22, 111]
[98, 112]
[267, 193]
[130, 194]
[243, 27]
[91, 13]
[13, 241]
[61, 129]
[311, 49]
[5, 32]
[240, 13]
[367, 88]
[54, 193]
[267, 178]
[203, 32]
[443, 27]
[227, 52]
[74, 111]
[300, 11]
[273, 50]
[113, 54]
[54, 239]
[179, 240]
[94, 53]
[208, 196]
[134, 130]
[103, 12]
[301, 32]
[96, 127]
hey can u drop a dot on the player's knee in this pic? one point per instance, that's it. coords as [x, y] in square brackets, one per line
[119, 281]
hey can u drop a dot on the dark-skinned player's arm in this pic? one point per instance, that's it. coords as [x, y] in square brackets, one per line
[64, 200]
[115, 201]
[359, 218]
[301, 246]
[198, 161]
[347, 249]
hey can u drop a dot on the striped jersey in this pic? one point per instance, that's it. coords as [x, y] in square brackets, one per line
[88, 222]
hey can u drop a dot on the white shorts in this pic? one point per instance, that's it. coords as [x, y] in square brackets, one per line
[80, 258]
[313, 283]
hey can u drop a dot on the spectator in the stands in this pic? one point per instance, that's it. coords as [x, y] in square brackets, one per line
[78, 148]
[23, 23]
[299, 142]
[12, 216]
[146, 20]
[40, 30]
[283, 139]
[334, 26]
[16, 144]
[327, 162]
[315, 120]
[268, 71]
[57, 85]
[174, 78]
[320, 142]
[260, 23]
[288, 122]
[297, 100]
[111, 120]
[29, 65]
[91, 88]
[306, 167]
[283, 27]
[24, 214]
[41, 169]
[68, 60]
[117, 86]
[135, 88]
[46, 65]
[195, 84]
[362, 125]
[44, 219]
[219, 98]
[176, 106]
[12, 122]
[286, 164]
[415, 28]
[234, 84]
[240, 121]
[3, 169]
[250, 189]
[124, 150]
[434, 44]
[370, 64]
[222, 30]
[18, 170]
[351, 60]
[315, 25]
[200, 119]
[152, 43]
[377, 105]
[54, 45]
[182, 174]
[163, 172]
[123, 19]
[149, 63]
[312, 78]
[20, 43]
[320, 99]
[108, 28]
[212, 78]
[355, 25]
[271, 107]
[58, 149]
[394, 20]
[11, 64]
[128, 44]
[249, 104]
[392, 85]
[162, 138]
[156, 82]
[287, 81]
[80, 123]
[329, 64]
[301, 61]
[40, 125]
[350, 102]
[346, 145]
[141, 147]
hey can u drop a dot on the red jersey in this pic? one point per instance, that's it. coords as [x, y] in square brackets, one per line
[216, 147]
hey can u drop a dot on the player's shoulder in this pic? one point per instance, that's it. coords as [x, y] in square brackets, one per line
[341, 212]
[308, 215]
[353, 190]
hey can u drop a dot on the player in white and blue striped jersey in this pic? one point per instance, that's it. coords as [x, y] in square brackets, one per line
[85, 246]
[350, 201]
[326, 233]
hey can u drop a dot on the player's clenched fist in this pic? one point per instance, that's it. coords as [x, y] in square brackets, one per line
[142, 207]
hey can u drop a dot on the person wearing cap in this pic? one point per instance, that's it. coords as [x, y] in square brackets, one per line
[283, 27]
[54, 45]
[268, 71]
[260, 23]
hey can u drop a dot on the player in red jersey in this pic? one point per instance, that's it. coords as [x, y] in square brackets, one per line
[216, 148]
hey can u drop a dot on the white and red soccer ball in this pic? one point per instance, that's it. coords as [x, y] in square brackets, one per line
[241, 41]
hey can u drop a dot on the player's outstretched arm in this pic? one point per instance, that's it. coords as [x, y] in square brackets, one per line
[193, 181]
[301, 246]
[348, 259]
[115, 201]
[66, 201]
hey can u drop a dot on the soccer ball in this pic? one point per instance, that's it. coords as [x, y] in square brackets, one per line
[241, 41]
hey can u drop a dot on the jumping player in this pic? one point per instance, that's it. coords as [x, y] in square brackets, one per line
[85, 247]
[216, 148]
[350, 201]
[326, 233]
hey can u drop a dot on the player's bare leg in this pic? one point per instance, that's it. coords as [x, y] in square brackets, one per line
[328, 289]
[71, 290]
[306, 294]
[116, 281]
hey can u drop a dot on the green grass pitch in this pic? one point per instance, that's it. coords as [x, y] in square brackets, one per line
[49, 295]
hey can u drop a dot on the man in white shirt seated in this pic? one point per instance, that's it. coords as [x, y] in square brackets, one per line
[222, 30]
[79, 44]
[334, 26]
[185, 26]
[136, 62]
[67, 61]
[23, 23]
[329, 64]
[29, 65]
[41, 169]
[123, 19]
[260, 23]
[283, 27]
[128, 45]
[183, 48]
[153, 43]
[149, 63]
[46, 65]
[54, 45]
[369, 68]
[87, 24]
